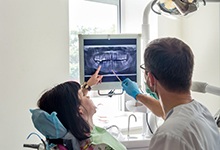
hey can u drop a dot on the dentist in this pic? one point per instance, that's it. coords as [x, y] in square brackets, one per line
[188, 125]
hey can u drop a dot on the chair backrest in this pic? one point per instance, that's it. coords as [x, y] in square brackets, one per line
[50, 126]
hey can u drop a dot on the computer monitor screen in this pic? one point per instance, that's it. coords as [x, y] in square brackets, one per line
[115, 53]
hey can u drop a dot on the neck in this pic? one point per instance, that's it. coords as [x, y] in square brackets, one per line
[170, 100]
[90, 122]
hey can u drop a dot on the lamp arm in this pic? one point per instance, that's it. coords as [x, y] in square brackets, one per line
[145, 26]
[213, 90]
[212, 0]
[203, 87]
[145, 39]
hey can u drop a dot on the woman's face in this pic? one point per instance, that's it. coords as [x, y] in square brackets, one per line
[87, 104]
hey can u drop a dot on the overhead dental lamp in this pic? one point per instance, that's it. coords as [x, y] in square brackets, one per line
[176, 7]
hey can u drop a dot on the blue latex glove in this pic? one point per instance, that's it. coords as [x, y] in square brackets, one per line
[130, 87]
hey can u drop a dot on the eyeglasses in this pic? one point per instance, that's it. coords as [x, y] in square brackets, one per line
[142, 66]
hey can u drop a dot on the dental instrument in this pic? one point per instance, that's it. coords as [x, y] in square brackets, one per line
[116, 76]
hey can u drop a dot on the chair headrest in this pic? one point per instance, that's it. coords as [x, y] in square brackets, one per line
[48, 124]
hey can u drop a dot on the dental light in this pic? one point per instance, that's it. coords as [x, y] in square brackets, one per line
[176, 7]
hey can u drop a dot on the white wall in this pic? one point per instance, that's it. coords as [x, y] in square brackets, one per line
[132, 17]
[33, 57]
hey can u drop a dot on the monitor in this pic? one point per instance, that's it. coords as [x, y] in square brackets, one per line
[113, 52]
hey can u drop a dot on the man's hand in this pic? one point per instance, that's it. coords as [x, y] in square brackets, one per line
[130, 87]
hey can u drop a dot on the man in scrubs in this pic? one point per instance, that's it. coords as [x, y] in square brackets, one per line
[188, 125]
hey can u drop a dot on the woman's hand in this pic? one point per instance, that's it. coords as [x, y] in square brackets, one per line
[95, 78]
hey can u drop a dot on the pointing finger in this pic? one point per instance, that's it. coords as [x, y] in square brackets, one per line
[97, 71]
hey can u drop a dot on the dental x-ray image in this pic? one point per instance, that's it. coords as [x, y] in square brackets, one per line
[119, 55]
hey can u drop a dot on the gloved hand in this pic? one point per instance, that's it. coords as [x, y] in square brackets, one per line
[130, 87]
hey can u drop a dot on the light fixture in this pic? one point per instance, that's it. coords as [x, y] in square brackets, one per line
[175, 7]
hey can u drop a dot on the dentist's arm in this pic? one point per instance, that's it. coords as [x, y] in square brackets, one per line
[132, 89]
[152, 104]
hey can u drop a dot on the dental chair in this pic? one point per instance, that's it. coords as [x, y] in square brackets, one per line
[56, 135]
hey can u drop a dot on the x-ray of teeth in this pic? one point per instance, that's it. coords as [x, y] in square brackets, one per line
[120, 58]
[118, 53]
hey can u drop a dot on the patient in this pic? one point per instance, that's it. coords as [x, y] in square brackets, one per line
[75, 111]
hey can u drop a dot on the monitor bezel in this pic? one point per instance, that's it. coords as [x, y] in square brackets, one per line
[108, 85]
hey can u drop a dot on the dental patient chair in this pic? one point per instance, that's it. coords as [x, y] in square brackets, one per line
[57, 137]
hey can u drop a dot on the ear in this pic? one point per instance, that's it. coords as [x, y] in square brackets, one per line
[81, 110]
[151, 79]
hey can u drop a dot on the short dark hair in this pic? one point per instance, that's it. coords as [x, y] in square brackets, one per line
[64, 100]
[171, 61]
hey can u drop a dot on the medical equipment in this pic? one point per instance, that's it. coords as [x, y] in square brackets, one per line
[57, 137]
[118, 52]
[217, 118]
[176, 7]
[116, 75]
[40, 146]
[204, 87]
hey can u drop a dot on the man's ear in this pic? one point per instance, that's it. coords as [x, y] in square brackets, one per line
[151, 79]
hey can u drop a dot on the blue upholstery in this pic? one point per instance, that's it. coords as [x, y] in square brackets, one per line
[50, 126]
